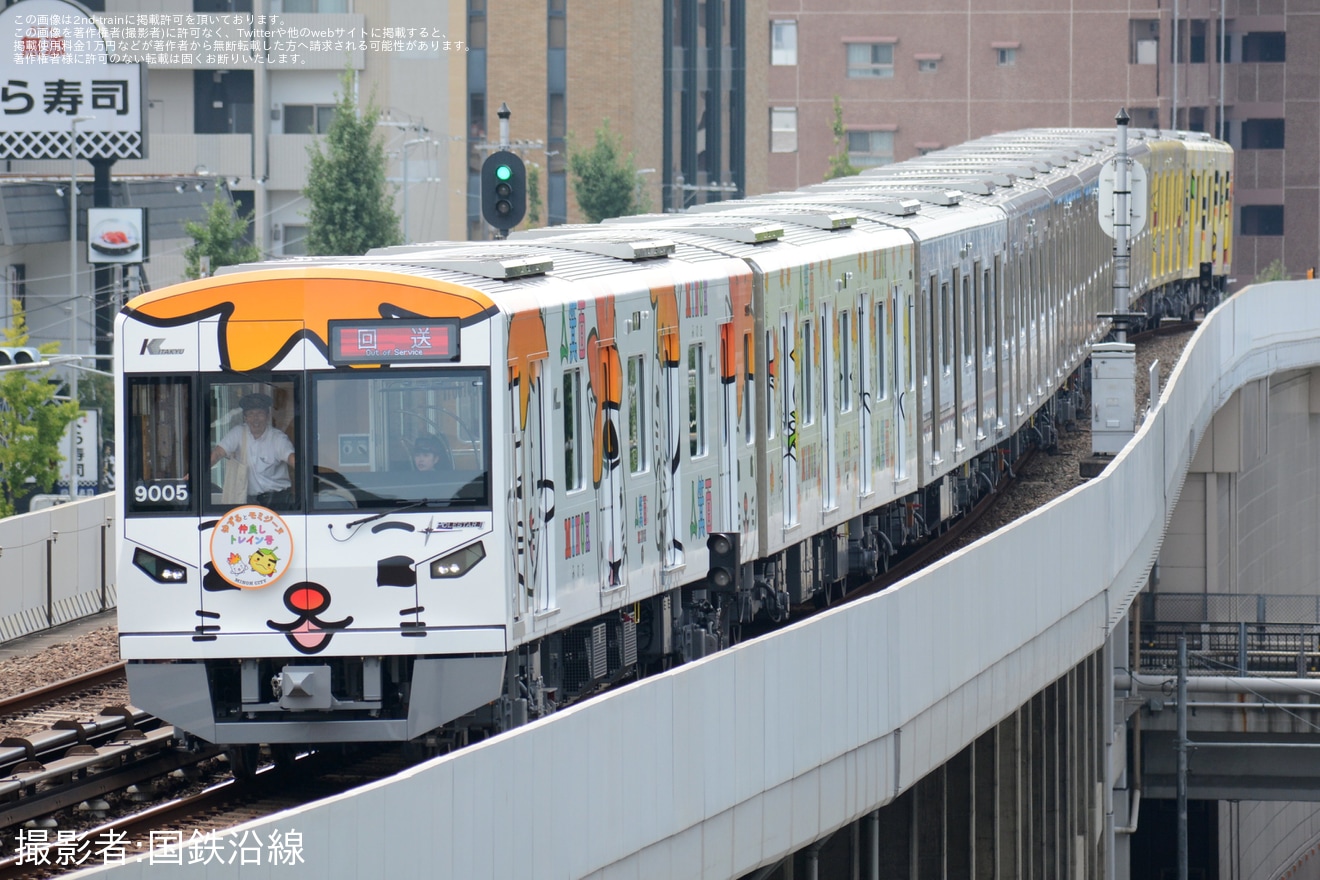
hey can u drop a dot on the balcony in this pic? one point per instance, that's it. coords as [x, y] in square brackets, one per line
[289, 160]
[227, 155]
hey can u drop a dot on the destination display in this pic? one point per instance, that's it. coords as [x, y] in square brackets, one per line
[374, 342]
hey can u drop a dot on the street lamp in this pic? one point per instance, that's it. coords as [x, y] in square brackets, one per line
[73, 288]
[404, 150]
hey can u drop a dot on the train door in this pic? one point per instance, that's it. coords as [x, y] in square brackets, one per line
[962, 388]
[904, 342]
[532, 494]
[254, 534]
[608, 465]
[728, 476]
[982, 320]
[829, 424]
[999, 341]
[789, 416]
[673, 427]
[866, 358]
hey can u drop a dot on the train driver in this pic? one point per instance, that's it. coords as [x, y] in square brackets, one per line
[264, 449]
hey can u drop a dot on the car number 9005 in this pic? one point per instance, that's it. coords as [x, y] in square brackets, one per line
[160, 492]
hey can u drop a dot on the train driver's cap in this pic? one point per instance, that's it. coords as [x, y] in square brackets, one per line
[256, 400]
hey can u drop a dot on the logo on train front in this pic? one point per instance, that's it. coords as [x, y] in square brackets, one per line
[251, 547]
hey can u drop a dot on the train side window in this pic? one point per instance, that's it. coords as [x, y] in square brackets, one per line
[969, 321]
[928, 333]
[696, 401]
[771, 368]
[572, 430]
[160, 449]
[805, 370]
[845, 363]
[877, 331]
[988, 314]
[749, 391]
[946, 327]
[637, 388]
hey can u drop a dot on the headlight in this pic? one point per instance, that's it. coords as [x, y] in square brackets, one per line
[459, 562]
[159, 569]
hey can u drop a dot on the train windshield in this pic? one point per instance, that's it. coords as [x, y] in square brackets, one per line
[385, 439]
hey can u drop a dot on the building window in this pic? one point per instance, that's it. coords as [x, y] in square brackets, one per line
[783, 129]
[1196, 41]
[1144, 117]
[222, 101]
[1143, 41]
[1265, 48]
[867, 149]
[315, 5]
[1262, 134]
[783, 43]
[1006, 56]
[927, 65]
[15, 287]
[870, 60]
[308, 118]
[295, 241]
[1262, 220]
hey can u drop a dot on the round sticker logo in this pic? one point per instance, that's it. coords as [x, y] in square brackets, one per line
[251, 547]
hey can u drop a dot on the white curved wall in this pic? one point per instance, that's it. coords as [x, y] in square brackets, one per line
[721, 766]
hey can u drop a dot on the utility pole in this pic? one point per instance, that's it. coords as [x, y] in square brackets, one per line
[1182, 757]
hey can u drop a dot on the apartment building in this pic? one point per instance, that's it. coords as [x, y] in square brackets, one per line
[916, 77]
[681, 81]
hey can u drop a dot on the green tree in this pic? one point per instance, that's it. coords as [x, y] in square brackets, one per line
[840, 164]
[533, 195]
[31, 423]
[1275, 271]
[220, 238]
[352, 207]
[605, 180]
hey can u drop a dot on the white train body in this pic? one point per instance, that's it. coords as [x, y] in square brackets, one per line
[650, 433]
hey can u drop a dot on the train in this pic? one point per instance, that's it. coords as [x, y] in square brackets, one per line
[439, 490]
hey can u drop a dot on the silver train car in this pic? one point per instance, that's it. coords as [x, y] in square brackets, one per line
[441, 489]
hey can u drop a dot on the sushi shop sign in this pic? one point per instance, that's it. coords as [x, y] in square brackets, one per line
[57, 66]
[115, 235]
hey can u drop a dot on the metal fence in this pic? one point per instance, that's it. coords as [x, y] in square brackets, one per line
[1274, 649]
[1224, 608]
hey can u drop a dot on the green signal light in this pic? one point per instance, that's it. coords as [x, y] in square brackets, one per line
[503, 172]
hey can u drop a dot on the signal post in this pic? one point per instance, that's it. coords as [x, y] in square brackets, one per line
[503, 183]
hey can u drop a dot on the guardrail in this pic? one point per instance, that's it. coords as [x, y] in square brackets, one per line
[56, 565]
[1242, 648]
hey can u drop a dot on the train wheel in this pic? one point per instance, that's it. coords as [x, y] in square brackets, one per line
[243, 760]
[285, 756]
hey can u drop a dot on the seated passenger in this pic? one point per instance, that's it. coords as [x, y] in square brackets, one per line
[431, 455]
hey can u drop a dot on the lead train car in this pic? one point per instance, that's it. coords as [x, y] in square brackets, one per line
[812, 380]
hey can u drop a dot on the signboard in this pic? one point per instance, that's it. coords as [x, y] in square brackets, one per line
[423, 340]
[116, 235]
[55, 66]
[87, 453]
[1137, 201]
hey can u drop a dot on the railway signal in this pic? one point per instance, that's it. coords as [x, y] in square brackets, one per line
[723, 547]
[19, 355]
[503, 190]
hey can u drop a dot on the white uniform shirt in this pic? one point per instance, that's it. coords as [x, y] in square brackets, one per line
[267, 457]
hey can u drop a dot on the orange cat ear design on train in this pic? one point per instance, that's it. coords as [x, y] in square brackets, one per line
[264, 313]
